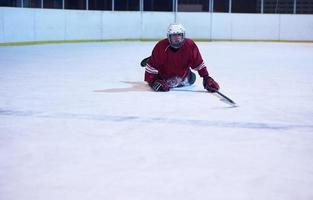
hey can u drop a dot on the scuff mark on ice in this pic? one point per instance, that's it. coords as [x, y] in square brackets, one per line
[159, 120]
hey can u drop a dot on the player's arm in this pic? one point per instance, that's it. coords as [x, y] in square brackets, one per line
[198, 65]
[152, 74]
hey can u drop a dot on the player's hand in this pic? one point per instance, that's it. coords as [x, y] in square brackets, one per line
[210, 84]
[160, 86]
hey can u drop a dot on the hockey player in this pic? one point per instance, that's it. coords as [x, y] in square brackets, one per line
[171, 60]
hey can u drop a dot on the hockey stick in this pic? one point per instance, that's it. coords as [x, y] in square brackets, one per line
[216, 93]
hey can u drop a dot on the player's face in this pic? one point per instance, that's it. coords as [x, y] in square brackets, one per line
[176, 38]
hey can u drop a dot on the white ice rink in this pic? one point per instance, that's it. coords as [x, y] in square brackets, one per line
[77, 122]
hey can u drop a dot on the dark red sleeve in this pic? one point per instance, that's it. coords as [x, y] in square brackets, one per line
[197, 61]
[152, 71]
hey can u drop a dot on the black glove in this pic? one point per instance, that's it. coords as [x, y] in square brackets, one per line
[143, 63]
[210, 84]
[160, 86]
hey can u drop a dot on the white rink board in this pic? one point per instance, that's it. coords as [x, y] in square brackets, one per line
[20, 24]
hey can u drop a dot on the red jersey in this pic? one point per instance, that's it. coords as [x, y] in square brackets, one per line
[166, 62]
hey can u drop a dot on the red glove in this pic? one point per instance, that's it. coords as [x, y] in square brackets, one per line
[160, 86]
[209, 84]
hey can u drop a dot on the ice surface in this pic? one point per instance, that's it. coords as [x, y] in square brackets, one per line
[78, 122]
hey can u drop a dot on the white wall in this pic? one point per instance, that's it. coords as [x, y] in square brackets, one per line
[292, 28]
[221, 26]
[1, 26]
[198, 25]
[261, 27]
[154, 24]
[25, 24]
[83, 25]
[18, 25]
[50, 25]
[121, 25]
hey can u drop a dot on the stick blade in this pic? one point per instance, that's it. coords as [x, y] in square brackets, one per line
[225, 99]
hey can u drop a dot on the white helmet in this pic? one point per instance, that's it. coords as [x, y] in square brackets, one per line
[176, 29]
